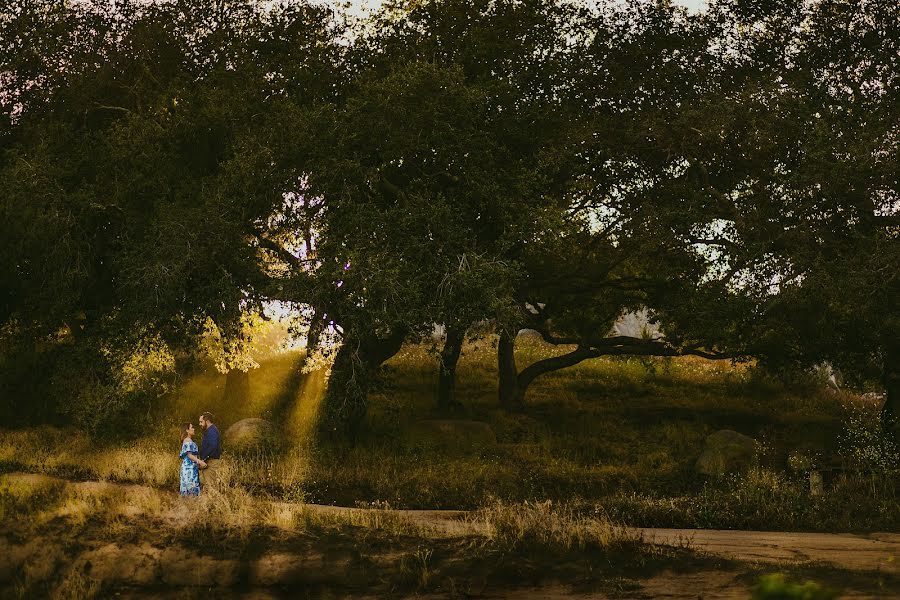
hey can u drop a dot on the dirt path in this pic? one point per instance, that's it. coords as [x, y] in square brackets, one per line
[858, 558]
[852, 552]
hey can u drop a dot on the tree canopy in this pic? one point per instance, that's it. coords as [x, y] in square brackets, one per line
[541, 164]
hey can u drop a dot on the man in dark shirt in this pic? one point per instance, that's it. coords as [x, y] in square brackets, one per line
[210, 447]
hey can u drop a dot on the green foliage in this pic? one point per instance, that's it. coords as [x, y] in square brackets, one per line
[168, 165]
[776, 586]
[865, 444]
[113, 398]
[104, 384]
[808, 225]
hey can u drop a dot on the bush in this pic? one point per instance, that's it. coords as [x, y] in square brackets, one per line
[776, 587]
[105, 411]
[864, 444]
[103, 387]
[25, 392]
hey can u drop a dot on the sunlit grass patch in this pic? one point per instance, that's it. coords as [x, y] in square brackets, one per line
[144, 461]
[72, 453]
[383, 520]
[549, 526]
[393, 551]
[45, 448]
[77, 586]
[111, 509]
[26, 496]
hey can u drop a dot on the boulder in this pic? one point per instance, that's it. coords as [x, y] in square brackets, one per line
[453, 434]
[248, 434]
[726, 451]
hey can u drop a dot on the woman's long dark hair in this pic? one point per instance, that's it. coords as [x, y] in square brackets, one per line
[184, 431]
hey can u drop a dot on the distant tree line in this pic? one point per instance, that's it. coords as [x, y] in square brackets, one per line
[540, 164]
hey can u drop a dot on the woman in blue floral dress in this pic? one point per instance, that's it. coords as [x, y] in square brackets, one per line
[190, 462]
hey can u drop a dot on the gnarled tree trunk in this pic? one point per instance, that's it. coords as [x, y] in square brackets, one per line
[510, 395]
[352, 376]
[449, 357]
[513, 385]
[316, 326]
[554, 363]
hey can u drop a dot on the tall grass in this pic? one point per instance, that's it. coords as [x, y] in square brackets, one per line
[551, 527]
[622, 433]
[389, 552]
[767, 500]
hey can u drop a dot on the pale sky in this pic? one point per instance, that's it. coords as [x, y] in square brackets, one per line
[693, 5]
[360, 6]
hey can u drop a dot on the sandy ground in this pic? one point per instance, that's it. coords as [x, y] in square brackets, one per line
[853, 552]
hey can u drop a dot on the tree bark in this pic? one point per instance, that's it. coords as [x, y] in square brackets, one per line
[316, 326]
[553, 364]
[352, 375]
[347, 393]
[514, 385]
[449, 357]
[511, 397]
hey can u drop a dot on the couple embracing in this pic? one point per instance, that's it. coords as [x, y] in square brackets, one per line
[192, 459]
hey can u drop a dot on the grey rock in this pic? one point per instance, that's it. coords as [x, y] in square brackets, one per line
[726, 451]
[248, 434]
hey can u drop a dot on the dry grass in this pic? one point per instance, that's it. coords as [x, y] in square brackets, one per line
[549, 526]
[228, 508]
[73, 514]
[112, 508]
[76, 586]
[604, 430]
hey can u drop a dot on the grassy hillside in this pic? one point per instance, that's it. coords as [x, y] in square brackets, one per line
[617, 437]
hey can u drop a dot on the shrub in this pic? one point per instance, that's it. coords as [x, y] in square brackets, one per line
[767, 500]
[776, 587]
[106, 386]
[865, 445]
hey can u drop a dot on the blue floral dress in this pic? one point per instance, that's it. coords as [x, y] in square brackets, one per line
[190, 472]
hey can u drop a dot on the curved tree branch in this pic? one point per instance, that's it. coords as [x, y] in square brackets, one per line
[282, 252]
[587, 349]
